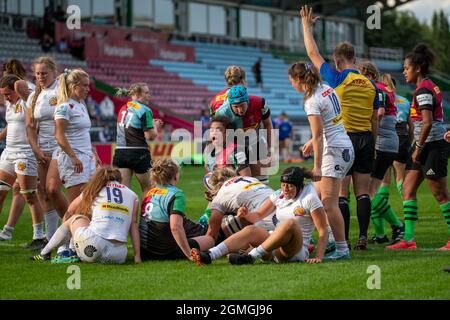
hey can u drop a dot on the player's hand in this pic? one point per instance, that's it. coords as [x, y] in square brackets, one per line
[242, 212]
[314, 260]
[41, 158]
[158, 124]
[77, 165]
[137, 260]
[306, 14]
[415, 155]
[317, 174]
[98, 161]
[381, 112]
[447, 136]
[307, 149]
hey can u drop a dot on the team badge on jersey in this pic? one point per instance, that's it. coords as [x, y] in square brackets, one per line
[299, 211]
[53, 101]
[18, 108]
[21, 166]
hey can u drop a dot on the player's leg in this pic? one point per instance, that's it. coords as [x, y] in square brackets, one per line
[53, 189]
[51, 216]
[344, 204]
[144, 181]
[363, 206]
[15, 212]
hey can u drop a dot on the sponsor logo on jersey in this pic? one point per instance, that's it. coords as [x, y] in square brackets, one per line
[337, 120]
[222, 97]
[114, 207]
[358, 83]
[53, 101]
[115, 185]
[252, 185]
[157, 191]
[299, 211]
[328, 92]
[133, 105]
[18, 108]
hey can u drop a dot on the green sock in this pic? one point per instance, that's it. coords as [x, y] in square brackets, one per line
[445, 209]
[410, 210]
[384, 192]
[399, 187]
[378, 205]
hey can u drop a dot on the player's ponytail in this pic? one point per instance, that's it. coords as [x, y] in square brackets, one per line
[98, 181]
[66, 83]
[422, 56]
[307, 75]
[15, 67]
[135, 89]
[389, 81]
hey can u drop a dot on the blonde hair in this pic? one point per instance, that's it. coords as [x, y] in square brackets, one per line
[367, 68]
[15, 67]
[98, 181]
[67, 81]
[235, 75]
[135, 88]
[387, 80]
[50, 63]
[163, 171]
[217, 179]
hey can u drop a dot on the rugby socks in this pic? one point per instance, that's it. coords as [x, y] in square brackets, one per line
[379, 205]
[257, 253]
[38, 231]
[445, 209]
[363, 209]
[218, 251]
[51, 223]
[410, 210]
[61, 236]
[345, 211]
[383, 191]
[400, 187]
[341, 246]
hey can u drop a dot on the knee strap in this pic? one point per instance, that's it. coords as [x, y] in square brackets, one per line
[4, 186]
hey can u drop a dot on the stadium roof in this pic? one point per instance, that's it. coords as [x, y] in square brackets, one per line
[349, 8]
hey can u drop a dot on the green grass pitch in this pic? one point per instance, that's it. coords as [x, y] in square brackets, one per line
[404, 275]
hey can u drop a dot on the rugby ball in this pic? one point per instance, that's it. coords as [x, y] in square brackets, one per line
[206, 181]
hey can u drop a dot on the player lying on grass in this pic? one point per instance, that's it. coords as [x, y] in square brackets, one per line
[103, 216]
[298, 212]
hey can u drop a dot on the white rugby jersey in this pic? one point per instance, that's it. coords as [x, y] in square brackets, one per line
[31, 86]
[112, 212]
[299, 208]
[43, 113]
[16, 137]
[77, 132]
[325, 103]
[242, 191]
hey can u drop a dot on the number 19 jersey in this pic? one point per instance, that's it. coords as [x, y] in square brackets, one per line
[112, 212]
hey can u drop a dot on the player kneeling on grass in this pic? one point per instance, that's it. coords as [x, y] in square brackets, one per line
[298, 212]
[166, 233]
[103, 216]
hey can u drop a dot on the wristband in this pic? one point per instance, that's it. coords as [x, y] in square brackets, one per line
[418, 145]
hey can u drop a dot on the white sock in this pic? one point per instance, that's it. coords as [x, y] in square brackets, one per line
[258, 252]
[71, 244]
[218, 251]
[8, 230]
[330, 235]
[341, 246]
[51, 223]
[38, 231]
[61, 236]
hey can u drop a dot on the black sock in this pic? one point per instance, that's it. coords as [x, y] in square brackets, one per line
[363, 208]
[345, 211]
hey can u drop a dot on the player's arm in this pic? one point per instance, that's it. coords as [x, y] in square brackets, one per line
[316, 124]
[319, 218]
[268, 126]
[151, 127]
[215, 222]
[73, 208]
[31, 128]
[263, 211]
[4, 133]
[312, 50]
[134, 233]
[176, 212]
